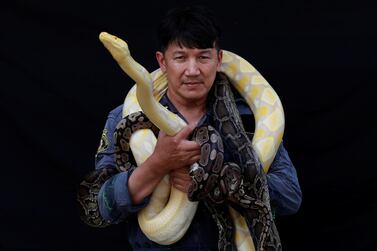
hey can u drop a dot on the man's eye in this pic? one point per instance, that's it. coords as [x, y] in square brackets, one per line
[204, 57]
[179, 57]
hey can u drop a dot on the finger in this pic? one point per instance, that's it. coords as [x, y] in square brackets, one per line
[191, 156]
[161, 134]
[185, 132]
[193, 159]
[181, 188]
[190, 146]
[181, 185]
[180, 182]
[181, 173]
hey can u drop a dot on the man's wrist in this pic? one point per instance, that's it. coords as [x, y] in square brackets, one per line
[155, 166]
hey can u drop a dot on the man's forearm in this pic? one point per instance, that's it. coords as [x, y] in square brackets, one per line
[144, 180]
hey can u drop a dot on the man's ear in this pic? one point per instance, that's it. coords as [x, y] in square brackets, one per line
[220, 59]
[161, 60]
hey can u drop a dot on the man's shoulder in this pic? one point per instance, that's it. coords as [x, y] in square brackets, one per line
[115, 114]
[241, 103]
[116, 111]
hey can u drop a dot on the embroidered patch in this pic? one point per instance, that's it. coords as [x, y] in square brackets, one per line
[104, 143]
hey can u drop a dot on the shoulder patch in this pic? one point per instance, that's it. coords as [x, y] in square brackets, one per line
[104, 143]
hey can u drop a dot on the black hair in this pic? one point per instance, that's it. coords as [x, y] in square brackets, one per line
[189, 26]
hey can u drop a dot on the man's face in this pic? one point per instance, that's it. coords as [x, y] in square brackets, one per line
[190, 72]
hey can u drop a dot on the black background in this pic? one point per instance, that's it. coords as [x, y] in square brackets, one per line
[58, 84]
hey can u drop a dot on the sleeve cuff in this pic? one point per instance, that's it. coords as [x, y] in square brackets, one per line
[123, 197]
[114, 200]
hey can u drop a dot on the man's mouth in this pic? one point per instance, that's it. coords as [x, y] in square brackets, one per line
[192, 83]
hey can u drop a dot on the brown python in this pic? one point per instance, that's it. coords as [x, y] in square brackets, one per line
[87, 196]
[242, 182]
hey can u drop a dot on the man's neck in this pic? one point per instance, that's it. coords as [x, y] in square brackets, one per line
[192, 110]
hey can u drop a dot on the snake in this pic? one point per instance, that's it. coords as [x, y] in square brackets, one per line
[241, 183]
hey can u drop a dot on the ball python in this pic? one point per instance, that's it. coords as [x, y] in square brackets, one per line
[269, 117]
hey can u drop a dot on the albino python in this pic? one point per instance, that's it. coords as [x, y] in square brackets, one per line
[167, 217]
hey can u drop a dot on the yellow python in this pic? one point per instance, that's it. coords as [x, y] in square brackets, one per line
[168, 215]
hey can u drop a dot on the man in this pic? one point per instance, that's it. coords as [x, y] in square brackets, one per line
[189, 53]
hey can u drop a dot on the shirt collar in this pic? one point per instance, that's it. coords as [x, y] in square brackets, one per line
[165, 101]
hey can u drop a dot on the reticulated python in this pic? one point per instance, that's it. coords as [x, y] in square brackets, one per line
[249, 192]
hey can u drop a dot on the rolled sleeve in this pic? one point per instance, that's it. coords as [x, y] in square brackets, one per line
[284, 188]
[114, 199]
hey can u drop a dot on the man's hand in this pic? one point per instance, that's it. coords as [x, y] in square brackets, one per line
[172, 155]
[181, 179]
[175, 152]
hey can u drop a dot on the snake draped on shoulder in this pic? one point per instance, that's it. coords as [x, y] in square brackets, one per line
[241, 183]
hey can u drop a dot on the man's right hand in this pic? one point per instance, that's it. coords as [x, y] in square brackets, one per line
[171, 155]
[173, 152]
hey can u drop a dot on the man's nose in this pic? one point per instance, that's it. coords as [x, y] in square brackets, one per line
[192, 68]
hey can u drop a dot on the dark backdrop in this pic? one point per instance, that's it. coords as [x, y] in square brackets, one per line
[58, 83]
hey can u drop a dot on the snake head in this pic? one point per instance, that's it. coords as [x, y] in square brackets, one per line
[116, 46]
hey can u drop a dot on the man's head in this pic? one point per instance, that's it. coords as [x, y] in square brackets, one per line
[191, 27]
[189, 52]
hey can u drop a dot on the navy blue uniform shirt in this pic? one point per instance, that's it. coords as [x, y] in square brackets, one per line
[116, 206]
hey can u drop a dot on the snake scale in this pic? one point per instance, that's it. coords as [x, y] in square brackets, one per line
[242, 183]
